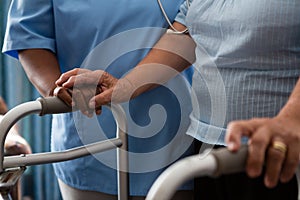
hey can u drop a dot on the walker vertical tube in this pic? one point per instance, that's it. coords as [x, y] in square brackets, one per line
[122, 155]
[52, 105]
[11, 117]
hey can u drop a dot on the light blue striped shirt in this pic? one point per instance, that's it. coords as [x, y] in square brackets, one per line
[248, 60]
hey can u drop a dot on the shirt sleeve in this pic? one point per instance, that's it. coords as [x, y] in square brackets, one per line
[29, 25]
[182, 12]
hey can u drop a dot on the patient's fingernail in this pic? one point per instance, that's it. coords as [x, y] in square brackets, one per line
[284, 179]
[231, 146]
[269, 183]
[253, 172]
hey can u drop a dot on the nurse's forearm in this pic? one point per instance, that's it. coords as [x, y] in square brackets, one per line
[42, 69]
[172, 54]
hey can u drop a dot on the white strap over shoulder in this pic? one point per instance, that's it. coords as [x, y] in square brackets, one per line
[172, 29]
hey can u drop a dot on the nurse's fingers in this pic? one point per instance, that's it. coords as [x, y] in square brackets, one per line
[80, 102]
[65, 76]
[115, 91]
[82, 96]
[97, 77]
[101, 99]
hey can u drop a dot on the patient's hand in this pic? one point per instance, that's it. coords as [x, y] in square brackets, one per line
[14, 143]
[3, 107]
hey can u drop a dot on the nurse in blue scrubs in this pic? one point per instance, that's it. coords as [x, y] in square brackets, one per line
[53, 37]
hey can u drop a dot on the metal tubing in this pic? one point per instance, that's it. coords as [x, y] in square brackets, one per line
[11, 117]
[217, 162]
[52, 157]
[54, 105]
[122, 155]
[177, 174]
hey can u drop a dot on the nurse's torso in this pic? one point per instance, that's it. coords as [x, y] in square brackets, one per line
[82, 25]
[114, 35]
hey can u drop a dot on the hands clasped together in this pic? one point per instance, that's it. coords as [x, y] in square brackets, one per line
[88, 90]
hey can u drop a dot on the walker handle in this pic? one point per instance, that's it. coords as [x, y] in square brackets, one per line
[53, 105]
[230, 162]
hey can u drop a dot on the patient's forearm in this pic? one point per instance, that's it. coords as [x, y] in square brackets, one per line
[292, 107]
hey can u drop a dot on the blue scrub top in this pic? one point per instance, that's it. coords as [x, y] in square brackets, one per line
[113, 35]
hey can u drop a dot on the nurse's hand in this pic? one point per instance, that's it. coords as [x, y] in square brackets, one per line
[274, 143]
[91, 89]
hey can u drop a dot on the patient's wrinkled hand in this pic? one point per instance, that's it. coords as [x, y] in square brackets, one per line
[3, 107]
[16, 145]
[274, 144]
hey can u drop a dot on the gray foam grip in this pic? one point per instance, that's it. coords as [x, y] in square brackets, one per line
[230, 162]
[53, 105]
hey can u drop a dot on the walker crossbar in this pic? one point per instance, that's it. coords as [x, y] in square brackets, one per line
[52, 157]
[53, 105]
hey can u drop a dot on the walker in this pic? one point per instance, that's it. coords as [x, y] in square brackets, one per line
[12, 167]
[214, 163]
